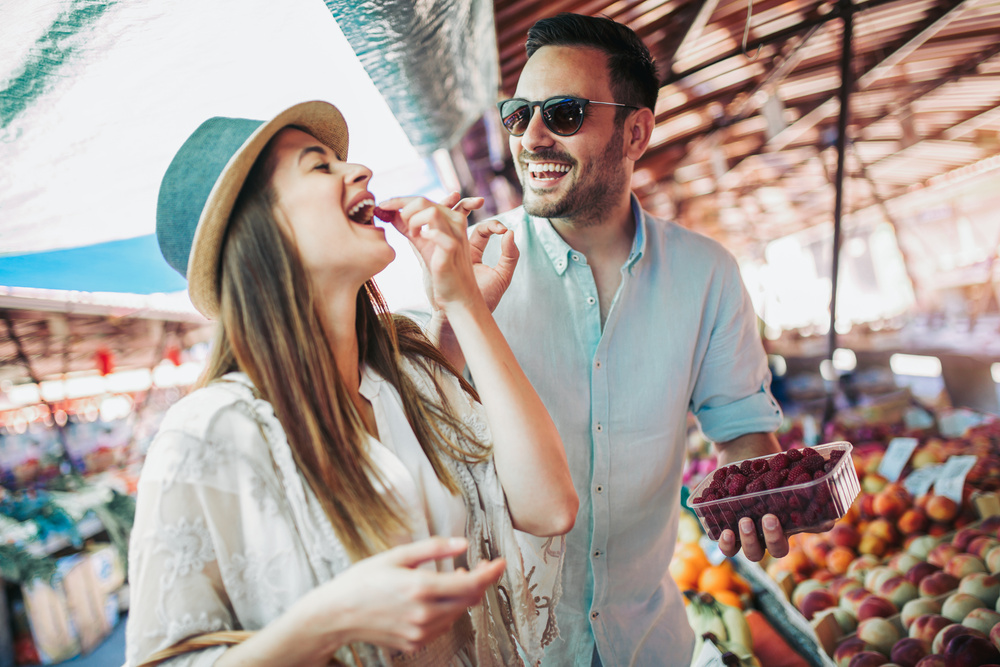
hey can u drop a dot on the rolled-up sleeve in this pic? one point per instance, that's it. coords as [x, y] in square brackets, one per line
[732, 395]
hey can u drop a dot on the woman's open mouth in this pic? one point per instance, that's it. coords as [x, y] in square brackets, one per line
[361, 213]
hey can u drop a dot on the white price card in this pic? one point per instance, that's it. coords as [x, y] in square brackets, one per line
[952, 477]
[921, 480]
[896, 455]
[710, 656]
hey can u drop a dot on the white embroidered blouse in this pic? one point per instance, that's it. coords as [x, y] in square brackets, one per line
[228, 534]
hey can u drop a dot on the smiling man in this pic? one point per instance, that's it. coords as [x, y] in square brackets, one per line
[623, 323]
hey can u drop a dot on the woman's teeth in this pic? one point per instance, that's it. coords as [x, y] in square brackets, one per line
[361, 212]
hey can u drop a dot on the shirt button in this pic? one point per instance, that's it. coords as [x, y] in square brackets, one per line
[575, 258]
[591, 300]
[597, 554]
[597, 364]
[599, 428]
[594, 614]
[600, 488]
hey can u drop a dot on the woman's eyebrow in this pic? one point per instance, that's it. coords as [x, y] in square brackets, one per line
[312, 149]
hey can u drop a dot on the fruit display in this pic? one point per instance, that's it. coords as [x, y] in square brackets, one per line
[805, 488]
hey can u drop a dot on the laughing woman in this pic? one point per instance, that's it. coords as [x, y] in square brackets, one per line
[334, 491]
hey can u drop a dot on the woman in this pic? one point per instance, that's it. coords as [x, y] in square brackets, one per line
[333, 485]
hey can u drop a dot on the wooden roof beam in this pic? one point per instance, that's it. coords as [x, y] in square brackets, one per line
[694, 30]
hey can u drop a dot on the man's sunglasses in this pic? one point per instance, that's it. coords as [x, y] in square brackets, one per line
[562, 115]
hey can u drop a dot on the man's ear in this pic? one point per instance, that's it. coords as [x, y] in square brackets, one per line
[638, 130]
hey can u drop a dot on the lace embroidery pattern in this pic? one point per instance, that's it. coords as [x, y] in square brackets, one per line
[188, 546]
[250, 581]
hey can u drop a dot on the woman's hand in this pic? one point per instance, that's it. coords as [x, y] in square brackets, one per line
[384, 600]
[452, 261]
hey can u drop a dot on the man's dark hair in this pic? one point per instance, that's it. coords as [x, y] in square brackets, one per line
[631, 69]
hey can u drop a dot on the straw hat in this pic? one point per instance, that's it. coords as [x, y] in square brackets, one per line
[200, 187]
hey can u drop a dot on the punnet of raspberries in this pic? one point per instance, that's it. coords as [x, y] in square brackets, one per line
[796, 486]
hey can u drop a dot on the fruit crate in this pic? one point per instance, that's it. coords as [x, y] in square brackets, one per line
[801, 506]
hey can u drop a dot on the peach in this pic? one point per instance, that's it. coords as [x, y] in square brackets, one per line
[984, 586]
[981, 546]
[918, 607]
[867, 659]
[922, 545]
[932, 660]
[873, 482]
[970, 651]
[845, 619]
[897, 590]
[936, 584]
[913, 521]
[839, 559]
[875, 576]
[861, 565]
[957, 605]
[871, 545]
[815, 601]
[963, 537]
[844, 535]
[941, 554]
[847, 649]
[927, 627]
[802, 588]
[882, 528]
[993, 560]
[917, 573]
[907, 652]
[890, 501]
[852, 599]
[963, 564]
[995, 635]
[942, 508]
[875, 605]
[902, 561]
[841, 584]
[948, 633]
[878, 632]
[981, 619]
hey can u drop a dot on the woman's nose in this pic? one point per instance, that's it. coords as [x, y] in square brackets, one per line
[357, 173]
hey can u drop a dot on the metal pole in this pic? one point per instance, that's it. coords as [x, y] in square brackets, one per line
[847, 12]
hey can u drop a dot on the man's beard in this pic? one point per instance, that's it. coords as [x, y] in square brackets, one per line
[588, 200]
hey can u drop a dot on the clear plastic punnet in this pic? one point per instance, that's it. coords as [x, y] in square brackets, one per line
[807, 491]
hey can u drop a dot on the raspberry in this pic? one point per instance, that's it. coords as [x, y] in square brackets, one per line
[819, 474]
[836, 454]
[794, 455]
[778, 461]
[823, 495]
[809, 451]
[745, 468]
[801, 479]
[384, 215]
[798, 470]
[759, 466]
[756, 485]
[720, 474]
[709, 496]
[777, 504]
[736, 484]
[813, 463]
[829, 465]
[772, 479]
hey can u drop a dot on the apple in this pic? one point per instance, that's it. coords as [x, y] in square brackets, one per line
[984, 586]
[957, 605]
[963, 564]
[847, 649]
[981, 619]
[918, 607]
[907, 652]
[916, 573]
[878, 632]
[897, 590]
[875, 605]
[927, 626]
[815, 601]
[970, 651]
[941, 554]
[936, 584]
[948, 633]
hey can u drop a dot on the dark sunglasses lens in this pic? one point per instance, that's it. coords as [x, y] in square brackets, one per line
[563, 116]
[515, 115]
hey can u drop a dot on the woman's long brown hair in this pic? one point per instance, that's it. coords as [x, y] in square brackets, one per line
[270, 329]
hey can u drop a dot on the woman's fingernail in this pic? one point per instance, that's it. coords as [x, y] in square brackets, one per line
[770, 522]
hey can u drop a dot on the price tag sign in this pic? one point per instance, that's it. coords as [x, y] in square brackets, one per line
[710, 656]
[952, 478]
[921, 480]
[896, 455]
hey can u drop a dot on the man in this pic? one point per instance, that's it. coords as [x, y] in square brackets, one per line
[623, 322]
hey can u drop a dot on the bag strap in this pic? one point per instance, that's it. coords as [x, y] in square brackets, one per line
[221, 638]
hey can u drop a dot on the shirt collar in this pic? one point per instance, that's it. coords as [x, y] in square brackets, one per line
[370, 383]
[558, 250]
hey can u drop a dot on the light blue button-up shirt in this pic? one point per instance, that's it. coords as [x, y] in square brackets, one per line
[680, 335]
